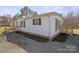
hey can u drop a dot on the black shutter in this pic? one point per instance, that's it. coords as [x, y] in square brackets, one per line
[33, 21]
[55, 24]
[24, 23]
[39, 21]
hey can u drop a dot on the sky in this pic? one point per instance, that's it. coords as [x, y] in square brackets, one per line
[12, 10]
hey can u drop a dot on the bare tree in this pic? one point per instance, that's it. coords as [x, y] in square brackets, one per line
[26, 11]
[68, 22]
[5, 20]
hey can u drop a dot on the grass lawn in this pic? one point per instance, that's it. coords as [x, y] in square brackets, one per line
[75, 31]
[2, 31]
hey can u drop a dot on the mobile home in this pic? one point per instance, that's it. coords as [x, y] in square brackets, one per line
[46, 25]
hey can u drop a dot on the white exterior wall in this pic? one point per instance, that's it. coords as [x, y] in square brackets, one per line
[47, 27]
[52, 25]
[42, 29]
[17, 26]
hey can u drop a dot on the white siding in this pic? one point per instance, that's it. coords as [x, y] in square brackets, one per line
[52, 25]
[47, 27]
[42, 29]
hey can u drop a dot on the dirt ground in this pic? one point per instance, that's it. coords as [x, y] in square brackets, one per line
[8, 47]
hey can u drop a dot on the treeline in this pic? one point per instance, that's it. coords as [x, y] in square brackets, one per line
[24, 12]
[71, 20]
[5, 20]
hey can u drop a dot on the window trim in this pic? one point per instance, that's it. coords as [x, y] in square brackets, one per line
[39, 19]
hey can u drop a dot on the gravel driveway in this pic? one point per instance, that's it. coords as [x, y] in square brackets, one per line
[32, 46]
[8, 47]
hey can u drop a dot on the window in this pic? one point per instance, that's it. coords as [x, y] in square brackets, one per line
[22, 24]
[37, 21]
[57, 24]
